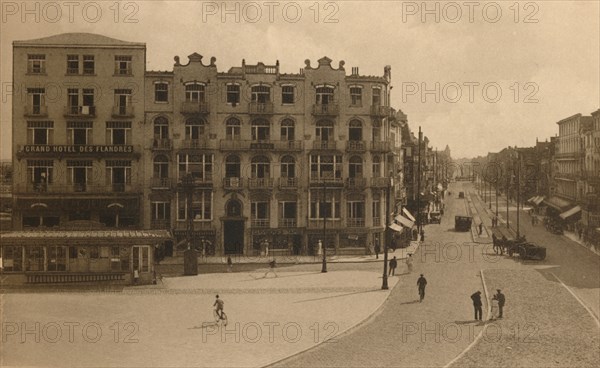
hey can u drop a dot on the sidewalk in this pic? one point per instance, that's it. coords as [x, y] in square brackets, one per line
[576, 239]
[172, 324]
[400, 253]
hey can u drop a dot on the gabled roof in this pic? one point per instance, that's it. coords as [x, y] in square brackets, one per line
[78, 39]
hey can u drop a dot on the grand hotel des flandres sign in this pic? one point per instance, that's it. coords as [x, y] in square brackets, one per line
[75, 150]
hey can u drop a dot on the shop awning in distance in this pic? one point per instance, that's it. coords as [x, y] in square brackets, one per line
[408, 214]
[396, 227]
[404, 221]
[92, 237]
[557, 203]
[532, 199]
[538, 200]
[570, 212]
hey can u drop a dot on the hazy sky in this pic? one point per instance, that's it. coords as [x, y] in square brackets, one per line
[480, 77]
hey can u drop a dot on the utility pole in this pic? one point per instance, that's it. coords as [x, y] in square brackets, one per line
[388, 222]
[324, 264]
[419, 182]
[518, 191]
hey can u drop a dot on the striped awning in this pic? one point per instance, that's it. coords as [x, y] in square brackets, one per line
[538, 200]
[404, 221]
[557, 203]
[396, 227]
[408, 214]
[570, 212]
[532, 199]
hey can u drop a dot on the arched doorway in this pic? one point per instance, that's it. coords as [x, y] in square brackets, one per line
[233, 228]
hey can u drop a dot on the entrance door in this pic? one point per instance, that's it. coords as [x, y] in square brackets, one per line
[233, 236]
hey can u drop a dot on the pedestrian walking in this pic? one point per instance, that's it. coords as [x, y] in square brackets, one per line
[272, 266]
[229, 264]
[476, 297]
[409, 263]
[422, 235]
[377, 250]
[495, 243]
[501, 301]
[393, 265]
[421, 283]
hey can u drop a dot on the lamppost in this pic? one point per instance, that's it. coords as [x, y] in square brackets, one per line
[384, 285]
[324, 265]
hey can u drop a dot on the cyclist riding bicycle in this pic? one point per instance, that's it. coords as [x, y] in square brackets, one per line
[219, 304]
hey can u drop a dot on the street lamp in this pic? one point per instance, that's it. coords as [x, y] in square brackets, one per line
[324, 244]
[384, 285]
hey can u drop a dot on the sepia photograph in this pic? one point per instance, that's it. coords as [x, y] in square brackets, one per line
[309, 184]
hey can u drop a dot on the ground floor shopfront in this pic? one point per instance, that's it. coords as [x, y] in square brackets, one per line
[80, 256]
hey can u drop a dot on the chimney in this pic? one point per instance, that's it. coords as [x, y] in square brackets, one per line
[354, 70]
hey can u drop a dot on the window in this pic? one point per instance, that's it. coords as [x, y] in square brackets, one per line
[36, 101]
[324, 95]
[325, 167]
[233, 94]
[79, 172]
[40, 172]
[34, 258]
[36, 64]
[328, 208]
[232, 129]
[79, 132]
[260, 167]
[260, 130]
[376, 207]
[119, 258]
[40, 132]
[259, 213]
[141, 258]
[161, 167]
[89, 66]
[160, 210]
[324, 131]
[12, 258]
[232, 167]
[122, 101]
[261, 94]
[376, 97]
[123, 65]
[355, 131]
[287, 212]
[161, 92]
[288, 167]
[356, 96]
[194, 92]
[376, 166]
[287, 94]
[161, 128]
[118, 174]
[201, 207]
[194, 128]
[287, 130]
[376, 134]
[200, 166]
[88, 101]
[355, 167]
[118, 132]
[356, 209]
[72, 64]
[73, 100]
[57, 258]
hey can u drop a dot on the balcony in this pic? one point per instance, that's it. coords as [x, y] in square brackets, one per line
[378, 111]
[381, 146]
[380, 182]
[284, 145]
[324, 145]
[160, 183]
[233, 183]
[160, 224]
[376, 221]
[260, 108]
[79, 111]
[355, 222]
[36, 111]
[261, 223]
[66, 189]
[288, 183]
[331, 223]
[194, 107]
[326, 109]
[356, 183]
[200, 179]
[288, 222]
[356, 146]
[260, 183]
[234, 145]
[197, 144]
[122, 112]
[161, 144]
[316, 180]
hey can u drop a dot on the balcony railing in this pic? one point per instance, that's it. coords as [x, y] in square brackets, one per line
[234, 145]
[355, 222]
[284, 145]
[233, 183]
[122, 111]
[331, 223]
[380, 146]
[376, 221]
[197, 144]
[379, 111]
[194, 107]
[161, 143]
[288, 183]
[288, 222]
[259, 222]
[356, 183]
[160, 183]
[329, 180]
[326, 109]
[54, 188]
[160, 224]
[324, 145]
[80, 111]
[379, 182]
[260, 183]
[242, 145]
[35, 110]
[356, 146]
[201, 179]
[260, 108]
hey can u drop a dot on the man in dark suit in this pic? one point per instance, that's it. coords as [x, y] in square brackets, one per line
[476, 297]
[501, 300]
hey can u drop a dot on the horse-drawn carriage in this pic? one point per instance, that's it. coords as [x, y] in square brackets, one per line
[520, 245]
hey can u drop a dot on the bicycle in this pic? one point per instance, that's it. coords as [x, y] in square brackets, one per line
[220, 318]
